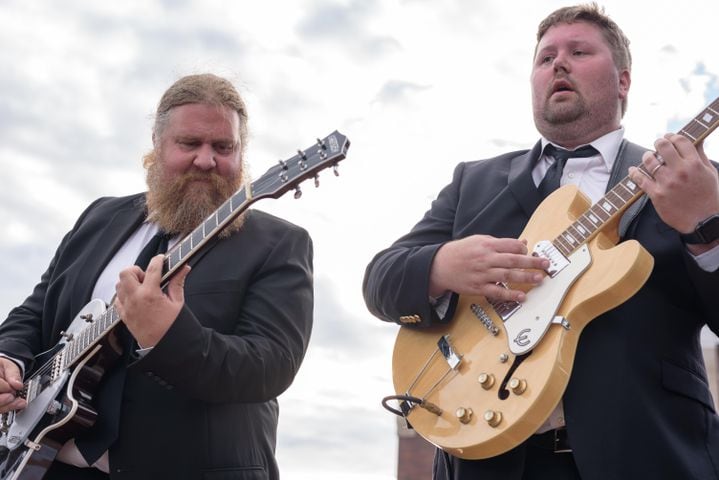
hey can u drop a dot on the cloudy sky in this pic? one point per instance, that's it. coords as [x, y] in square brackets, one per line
[417, 86]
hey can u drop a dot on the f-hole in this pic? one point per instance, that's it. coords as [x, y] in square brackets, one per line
[503, 393]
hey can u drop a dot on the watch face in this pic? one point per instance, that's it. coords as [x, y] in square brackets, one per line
[709, 229]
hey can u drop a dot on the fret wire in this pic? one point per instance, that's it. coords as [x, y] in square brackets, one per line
[224, 211]
[626, 191]
[563, 244]
[577, 225]
[197, 235]
[701, 124]
[600, 212]
[615, 199]
[687, 134]
[576, 234]
[608, 206]
[586, 223]
[571, 239]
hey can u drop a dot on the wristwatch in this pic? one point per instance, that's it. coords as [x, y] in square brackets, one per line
[705, 232]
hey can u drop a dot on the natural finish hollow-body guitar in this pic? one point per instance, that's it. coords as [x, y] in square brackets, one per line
[483, 383]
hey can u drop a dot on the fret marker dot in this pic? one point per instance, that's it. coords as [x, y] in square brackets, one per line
[631, 185]
[607, 206]
[708, 117]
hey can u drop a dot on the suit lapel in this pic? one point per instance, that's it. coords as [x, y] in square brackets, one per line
[629, 155]
[520, 180]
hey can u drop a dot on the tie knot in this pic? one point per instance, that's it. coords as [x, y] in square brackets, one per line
[562, 154]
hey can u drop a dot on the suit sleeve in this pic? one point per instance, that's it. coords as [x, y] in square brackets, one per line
[259, 360]
[396, 282]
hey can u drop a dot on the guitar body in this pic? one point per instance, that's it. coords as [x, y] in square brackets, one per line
[495, 397]
[61, 404]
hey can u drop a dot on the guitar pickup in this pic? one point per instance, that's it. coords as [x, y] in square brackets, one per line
[557, 260]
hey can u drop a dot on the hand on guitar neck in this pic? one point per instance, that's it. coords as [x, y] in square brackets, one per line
[683, 185]
[10, 384]
[474, 265]
[147, 310]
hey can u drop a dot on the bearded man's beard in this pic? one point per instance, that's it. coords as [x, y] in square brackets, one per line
[178, 205]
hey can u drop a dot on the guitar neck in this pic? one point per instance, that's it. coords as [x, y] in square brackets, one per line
[625, 192]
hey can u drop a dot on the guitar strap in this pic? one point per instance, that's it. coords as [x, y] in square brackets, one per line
[629, 155]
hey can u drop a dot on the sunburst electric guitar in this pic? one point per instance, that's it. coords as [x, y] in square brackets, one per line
[60, 390]
[483, 383]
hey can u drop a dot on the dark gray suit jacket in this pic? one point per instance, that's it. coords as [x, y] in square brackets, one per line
[638, 403]
[202, 403]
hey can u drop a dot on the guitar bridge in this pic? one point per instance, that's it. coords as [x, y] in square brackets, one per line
[447, 351]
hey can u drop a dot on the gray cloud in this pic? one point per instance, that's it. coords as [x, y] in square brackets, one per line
[347, 25]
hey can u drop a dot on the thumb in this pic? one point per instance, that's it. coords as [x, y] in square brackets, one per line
[176, 287]
[12, 374]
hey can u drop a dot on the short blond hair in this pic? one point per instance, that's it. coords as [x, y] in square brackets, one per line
[204, 88]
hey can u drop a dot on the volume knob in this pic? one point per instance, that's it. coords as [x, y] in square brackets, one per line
[517, 386]
[486, 380]
[493, 418]
[464, 415]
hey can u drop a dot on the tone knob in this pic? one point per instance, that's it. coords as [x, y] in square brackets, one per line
[486, 380]
[517, 386]
[464, 415]
[493, 418]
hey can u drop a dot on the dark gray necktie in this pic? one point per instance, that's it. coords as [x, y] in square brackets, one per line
[551, 179]
[96, 440]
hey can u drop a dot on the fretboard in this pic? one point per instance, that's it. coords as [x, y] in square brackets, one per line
[624, 193]
[288, 174]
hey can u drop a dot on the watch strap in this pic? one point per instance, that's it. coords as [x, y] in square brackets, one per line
[705, 232]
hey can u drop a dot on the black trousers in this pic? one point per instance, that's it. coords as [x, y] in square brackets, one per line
[63, 471]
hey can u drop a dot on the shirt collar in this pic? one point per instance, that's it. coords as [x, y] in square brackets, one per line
[607, 145]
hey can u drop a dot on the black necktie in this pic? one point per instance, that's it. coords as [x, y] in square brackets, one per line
[156, 246]
[96, 440]
[551, 179]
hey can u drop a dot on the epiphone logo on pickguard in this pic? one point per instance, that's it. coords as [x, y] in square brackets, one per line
[521, 339]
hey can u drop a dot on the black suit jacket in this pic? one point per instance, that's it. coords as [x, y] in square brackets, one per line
[638, 403]
[202, 403]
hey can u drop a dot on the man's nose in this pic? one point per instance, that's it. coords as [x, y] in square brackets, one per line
[561, 62]
[205, 158]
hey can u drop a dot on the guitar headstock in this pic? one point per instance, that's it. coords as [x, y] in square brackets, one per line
[307, 163]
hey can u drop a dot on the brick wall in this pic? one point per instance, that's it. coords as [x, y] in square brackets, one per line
[415, 455]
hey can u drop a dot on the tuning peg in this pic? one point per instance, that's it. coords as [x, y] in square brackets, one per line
[283, 172]
[317, 181]
[298, 192]
[335, 169]
[302, 154]
[321, 144]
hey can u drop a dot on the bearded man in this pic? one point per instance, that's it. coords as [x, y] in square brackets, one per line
[195, 394]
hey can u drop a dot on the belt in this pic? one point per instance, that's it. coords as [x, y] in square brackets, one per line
[555, 441]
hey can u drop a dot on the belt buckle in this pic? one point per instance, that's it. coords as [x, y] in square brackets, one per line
[560, 441]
